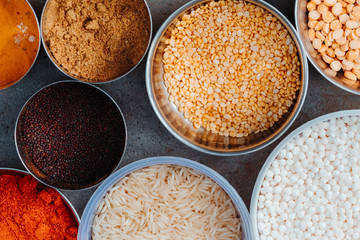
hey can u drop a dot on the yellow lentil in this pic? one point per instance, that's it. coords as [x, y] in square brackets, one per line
[232, 67]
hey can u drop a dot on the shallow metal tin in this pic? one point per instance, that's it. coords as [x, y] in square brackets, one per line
[38, 49]
[69, 206]
[48, 52]
[276, 151]
[200, 139]
[35, 173]
[85, 228]
[315, 58]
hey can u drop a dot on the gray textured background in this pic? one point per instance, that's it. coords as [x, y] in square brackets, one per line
[147, 137]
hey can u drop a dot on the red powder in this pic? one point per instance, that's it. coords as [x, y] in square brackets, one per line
[31, 211]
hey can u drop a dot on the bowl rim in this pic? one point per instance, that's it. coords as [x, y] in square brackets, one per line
[37, 52]
[70, 81]
[276, 151]
[68, 204]
[48, 52]
[301, 97]
[311, 59]
[91, 207]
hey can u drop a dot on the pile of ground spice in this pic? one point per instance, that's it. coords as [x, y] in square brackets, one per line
[71, 134]
[19, 41]
[29, 210]
[96, 40]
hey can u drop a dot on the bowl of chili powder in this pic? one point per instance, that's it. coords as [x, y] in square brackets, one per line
[70, 135]
[31, 210]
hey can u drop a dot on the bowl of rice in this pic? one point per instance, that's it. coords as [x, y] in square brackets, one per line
[165, 198]
[226, 77]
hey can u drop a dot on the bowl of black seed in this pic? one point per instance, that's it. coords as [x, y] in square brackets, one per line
[70, 135]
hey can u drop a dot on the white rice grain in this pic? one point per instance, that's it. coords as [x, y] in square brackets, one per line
[166, 202]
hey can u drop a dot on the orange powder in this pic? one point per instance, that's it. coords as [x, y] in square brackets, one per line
[19, 41]
[31, 211]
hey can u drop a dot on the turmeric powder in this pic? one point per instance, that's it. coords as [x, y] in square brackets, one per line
[19, 41]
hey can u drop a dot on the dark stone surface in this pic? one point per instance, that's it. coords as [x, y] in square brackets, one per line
[147, 136]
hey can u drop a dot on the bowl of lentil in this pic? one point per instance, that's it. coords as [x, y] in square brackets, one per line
[215, 88]
[165, 197]
[96, 41]
[309, 186]
[20, 41]
[329, 31]
[70, 135]
[30, 210]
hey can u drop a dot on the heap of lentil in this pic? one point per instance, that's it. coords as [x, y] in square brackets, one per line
[72, 133]
[231, 67]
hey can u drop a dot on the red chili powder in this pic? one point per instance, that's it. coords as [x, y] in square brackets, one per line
[32, 211]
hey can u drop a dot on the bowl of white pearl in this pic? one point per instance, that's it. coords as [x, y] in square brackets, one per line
[309, 187]
[330, 33]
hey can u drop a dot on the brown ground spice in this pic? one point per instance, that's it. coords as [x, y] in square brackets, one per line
[96, 40]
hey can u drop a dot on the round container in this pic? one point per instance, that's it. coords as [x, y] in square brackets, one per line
[301, 20]
[201, 139]
[276, 151]
[17, 172]
[83, 174]
[45, 16]
[87, 218]
[18, 35]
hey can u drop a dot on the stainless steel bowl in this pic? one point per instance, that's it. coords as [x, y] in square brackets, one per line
[275, 153]
[32, 12]
[55, 183]
[69, 206]
[200, 139]
[301, 20]
[53, 60]
[85, 228]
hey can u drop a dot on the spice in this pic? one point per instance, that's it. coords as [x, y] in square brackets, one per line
[29, 210]
[97, 40]
[231, 67]
[19, 41]
[71, 134]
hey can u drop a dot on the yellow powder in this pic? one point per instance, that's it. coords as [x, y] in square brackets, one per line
[19, 42]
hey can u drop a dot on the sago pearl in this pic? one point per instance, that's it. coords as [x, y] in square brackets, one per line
[312, 188]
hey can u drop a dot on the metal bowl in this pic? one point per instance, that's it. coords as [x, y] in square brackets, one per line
[69, 206]
[53, 60]
[200, 139]
[32, 13]
[57, 183]
[85, 228]
[301, 21]
[276, 151]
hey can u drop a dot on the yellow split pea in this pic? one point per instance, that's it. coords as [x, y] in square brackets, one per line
[231, 67]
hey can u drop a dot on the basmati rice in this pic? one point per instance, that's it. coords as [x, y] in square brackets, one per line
[166, 202]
